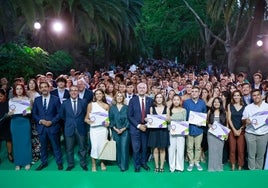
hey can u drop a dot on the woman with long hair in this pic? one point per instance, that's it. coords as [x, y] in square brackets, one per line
[158, 138]
[215, 145]
[21, 131]
[98, 133]
[119, 124]
[237, 134]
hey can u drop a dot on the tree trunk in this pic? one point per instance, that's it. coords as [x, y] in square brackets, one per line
[256, 30]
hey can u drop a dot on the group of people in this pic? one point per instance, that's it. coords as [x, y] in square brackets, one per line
[63, 108]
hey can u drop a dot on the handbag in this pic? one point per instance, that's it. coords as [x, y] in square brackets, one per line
[108, 151]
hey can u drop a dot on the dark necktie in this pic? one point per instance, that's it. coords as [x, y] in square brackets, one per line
[45, 105]
[74, 107]
[142, 111]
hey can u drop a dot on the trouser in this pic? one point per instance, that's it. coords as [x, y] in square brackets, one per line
[194, 148]
[256, 147]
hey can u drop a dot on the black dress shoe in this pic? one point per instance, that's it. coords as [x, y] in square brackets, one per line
[145, 167]
[69, 168]
[84, 168]
[60, 167]
[41, 167]
[137, 169]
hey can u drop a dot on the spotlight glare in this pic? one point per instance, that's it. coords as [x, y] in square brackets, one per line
[259, 43]
[37, 25]
[57, 26]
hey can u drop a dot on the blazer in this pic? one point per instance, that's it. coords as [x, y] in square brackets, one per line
[52, 114]
[71, 120]
[66, 94]
[88, 95]
[134, 112]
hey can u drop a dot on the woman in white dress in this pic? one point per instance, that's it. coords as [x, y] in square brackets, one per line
[98, 133]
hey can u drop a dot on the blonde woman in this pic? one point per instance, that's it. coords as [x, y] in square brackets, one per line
[119, 124]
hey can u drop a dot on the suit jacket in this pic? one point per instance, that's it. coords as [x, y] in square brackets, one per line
[247, 102]
[88, 95]
[134, 112]
[52, 114]
[66, 94]
[71, 120]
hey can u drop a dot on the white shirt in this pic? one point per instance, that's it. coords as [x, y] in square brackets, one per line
[252, 109]
[76, 101]
[140, 99]
[81, 94]
[47, 99]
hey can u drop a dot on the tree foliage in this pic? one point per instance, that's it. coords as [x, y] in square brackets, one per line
[19, 60]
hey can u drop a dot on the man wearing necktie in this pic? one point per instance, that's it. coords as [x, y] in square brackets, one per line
[45, 112]
[129, 92]
[139, 107]
[73, 112]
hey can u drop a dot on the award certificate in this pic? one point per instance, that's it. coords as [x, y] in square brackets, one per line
[20, 106]
[179, 128]
[259, 119]
[156, 121]
[219, 131]
[197, 118]
[99, 118]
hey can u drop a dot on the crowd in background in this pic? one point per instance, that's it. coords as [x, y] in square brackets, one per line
[61, 108]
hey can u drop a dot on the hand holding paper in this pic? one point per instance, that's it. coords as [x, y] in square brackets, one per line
[179, 128]
[219, 131]
[99, 118]
[197, 118]
[156, 121]
[259, 119]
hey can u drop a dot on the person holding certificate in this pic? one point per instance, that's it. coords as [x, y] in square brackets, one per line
[98, 132]
[20, 128]
[158, 138]
[237, 135]
[194, 139]
[215, 145]
[256, 139]
[177, 142]
[119, 124]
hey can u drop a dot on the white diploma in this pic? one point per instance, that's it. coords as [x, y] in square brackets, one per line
[20, 106]
[197, 118]
[109, 99]
[259, 119]
[219, 131]
[179, 127]
[156, 121]
[99, 118]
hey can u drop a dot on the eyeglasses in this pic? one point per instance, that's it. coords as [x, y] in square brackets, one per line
[73, 89]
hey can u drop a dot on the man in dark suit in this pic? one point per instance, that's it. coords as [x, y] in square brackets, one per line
[83, 92]
[61, 92]
[139, 107]
[73, 112]
[46, 115]
[246, 92]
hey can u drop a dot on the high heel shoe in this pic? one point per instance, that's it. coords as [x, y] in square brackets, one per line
[10, 157]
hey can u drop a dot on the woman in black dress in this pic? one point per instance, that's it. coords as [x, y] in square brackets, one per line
[5, 134]
[159, 137]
